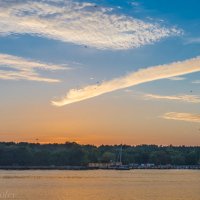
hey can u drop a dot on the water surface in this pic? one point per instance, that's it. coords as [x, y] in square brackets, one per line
[100, 185]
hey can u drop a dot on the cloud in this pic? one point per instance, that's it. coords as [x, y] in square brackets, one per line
[79, 23]
[177, 78]
[196, 82]
[128, 90]
[135, 3]
[184, 98]
[189, 117]
[16, 68]
[135, 78]
[192, 40]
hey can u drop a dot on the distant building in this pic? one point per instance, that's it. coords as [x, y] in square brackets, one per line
[147, 165]
[104, 165]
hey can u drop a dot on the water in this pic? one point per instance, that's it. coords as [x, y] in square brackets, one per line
[100, 185]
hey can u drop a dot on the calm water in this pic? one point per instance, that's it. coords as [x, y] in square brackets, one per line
[100, 185]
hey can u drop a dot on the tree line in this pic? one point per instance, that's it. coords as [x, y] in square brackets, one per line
[73, 154]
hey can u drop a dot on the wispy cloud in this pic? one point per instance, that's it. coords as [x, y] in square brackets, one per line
[189, 117]
[196, 82]
[16, 68]
[184, 98]
[79, 23]
[135, 78]
[177, 78]
[195, 40]
[135, 3]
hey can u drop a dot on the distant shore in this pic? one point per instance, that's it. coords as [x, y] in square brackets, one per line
[160, 167]
[74, 156]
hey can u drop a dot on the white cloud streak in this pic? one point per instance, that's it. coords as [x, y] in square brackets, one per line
[196, 82]
[17, 68]
[79, 23]
[177, 78]
[135, 78]
[183, 98]
[192, 40]
[188, 117]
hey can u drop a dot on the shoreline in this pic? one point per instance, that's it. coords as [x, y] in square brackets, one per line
[195, 167]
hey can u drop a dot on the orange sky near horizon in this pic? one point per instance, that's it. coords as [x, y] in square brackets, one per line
[97, 122]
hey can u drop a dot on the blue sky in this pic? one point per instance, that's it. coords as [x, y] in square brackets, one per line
[74, 56]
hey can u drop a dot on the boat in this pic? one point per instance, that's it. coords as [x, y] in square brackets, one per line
[121, 166]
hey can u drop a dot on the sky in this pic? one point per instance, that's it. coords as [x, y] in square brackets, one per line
[100, 72]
